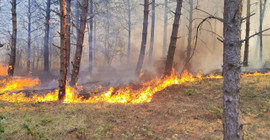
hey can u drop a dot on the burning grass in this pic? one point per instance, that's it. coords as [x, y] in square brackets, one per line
[192, 110]
[123, 95]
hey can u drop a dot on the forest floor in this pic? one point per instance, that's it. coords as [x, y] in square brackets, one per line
[187, 111]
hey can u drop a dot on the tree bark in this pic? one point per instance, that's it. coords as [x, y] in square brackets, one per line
[164, 49]
[63, 51]
[246, 52]
[46, 38]
[90, 37]
[174, 36]
[12, 59]
[232, 124]
[152, 32]
[190, 29]
[29, 37]
[144, 37]
[68, 31]
[79, 47]
[129, 32]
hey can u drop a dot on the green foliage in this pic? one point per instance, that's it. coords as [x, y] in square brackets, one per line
[149, 133]
[104, 129]
[2, 128]
[254, 87]
[217, 110]
[191, 92]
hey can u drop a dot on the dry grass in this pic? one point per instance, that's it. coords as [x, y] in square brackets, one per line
[188, 111]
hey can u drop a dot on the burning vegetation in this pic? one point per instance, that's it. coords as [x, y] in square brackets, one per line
[125, 95]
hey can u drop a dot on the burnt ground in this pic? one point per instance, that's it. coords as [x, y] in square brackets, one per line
[187, 111]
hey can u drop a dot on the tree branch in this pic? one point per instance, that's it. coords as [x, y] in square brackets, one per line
[254, 35]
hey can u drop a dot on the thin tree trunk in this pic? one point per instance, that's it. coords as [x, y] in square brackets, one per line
[77, 17]
[90, 37]
[129, 32]
[38, 58]
[29, 36]
[95, 42]
[63, 51]
[246, 52]
[262, 13]
[34, 58]
[260, 30]
[107, 36]
[68, 32]
[164, 49]
[190, 29]
[46, 38]
[152, 32]
[174, 36]
[232, 124]
[144, 37]
[79, 48]
[12, 59]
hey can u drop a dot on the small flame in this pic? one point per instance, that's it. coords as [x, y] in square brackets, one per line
[255, 74]
[3, 69]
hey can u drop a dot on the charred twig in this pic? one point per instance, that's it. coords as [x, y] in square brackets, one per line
[196, 38]
[72, 130]
[56, 46]
[247, 16]
[254, 35]
[210, 15]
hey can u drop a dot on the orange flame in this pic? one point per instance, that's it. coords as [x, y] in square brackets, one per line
[255, 74]
[17, 84]
[125, 95]
[3, 69]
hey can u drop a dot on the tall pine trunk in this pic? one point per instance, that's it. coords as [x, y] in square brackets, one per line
[63, 51]
[46, 38]
[174, 36]
[90, 37]
[152, 32]
[232, 124]
[68, 32]
[190, 29]
[129, 32]
[164, 48]
[12, 59]
[95, 42]
[144, 37]
[246, 52]
[29, 37]
[79, 47]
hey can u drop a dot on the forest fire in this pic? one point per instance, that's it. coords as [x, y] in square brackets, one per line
[125, 95]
